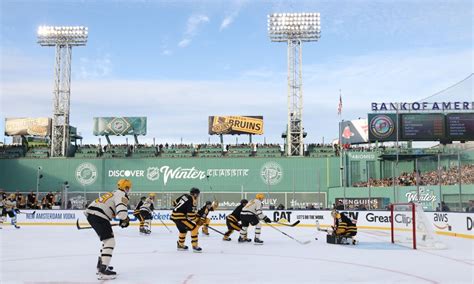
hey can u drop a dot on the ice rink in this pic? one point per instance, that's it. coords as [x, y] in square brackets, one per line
[62, 254]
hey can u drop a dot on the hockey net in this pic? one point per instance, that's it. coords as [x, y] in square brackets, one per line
[410, 227]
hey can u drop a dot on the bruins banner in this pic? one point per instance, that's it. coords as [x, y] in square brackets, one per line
[236, 125]
[40, 126]
[118, 126]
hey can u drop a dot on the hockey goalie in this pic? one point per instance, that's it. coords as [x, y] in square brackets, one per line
[344, 229]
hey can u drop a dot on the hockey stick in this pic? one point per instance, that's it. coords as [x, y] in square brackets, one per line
[298, 241]
[165, 226]
[89, 227]
[215, 230]
[319, 228]
[288, 225]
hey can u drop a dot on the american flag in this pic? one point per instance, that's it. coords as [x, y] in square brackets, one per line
[339, 107]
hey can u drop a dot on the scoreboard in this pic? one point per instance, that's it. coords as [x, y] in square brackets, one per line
[460, 126]
[423, 127]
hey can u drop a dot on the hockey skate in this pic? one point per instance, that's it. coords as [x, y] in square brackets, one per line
[258, 241]
[197, 249]
[105, 273]
[182, 247]
[99, 263]
[226, 239]
[16, 226]
[142, 230]
[244, 240]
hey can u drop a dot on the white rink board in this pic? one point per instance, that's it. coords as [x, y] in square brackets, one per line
[446, 223]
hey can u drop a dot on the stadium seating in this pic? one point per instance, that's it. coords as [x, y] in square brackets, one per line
[11, 152]
[319, 150]
[209, 151]
[236, 151]
[144, 151]
[87, 151]
[177, 151]
[268, 151]
[40, 152]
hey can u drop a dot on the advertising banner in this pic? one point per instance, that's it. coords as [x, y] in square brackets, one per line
[354, 131]
[235, 125]
[357, 203]
[444, 223]
[119, 126]
[39, 126]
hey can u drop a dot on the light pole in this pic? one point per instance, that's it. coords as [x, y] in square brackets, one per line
[294, 29]
[39, 176]
[63, 39]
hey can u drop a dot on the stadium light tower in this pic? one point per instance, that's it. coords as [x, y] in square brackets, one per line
[294, 28]
[63, 38]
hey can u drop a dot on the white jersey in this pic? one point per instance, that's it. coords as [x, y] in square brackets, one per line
[9, 205]
[254, 207]
[148, 206]
[110, 205]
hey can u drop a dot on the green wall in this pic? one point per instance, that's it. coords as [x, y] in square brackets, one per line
[226, 174]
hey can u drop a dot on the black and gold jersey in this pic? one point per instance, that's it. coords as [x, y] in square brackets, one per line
[184, 208]
[344, 225]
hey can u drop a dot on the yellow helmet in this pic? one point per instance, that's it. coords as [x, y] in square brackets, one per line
[152, 195]
[124, 184]
[260, 196]
[12, 196]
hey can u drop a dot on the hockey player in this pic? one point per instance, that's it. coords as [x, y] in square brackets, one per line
[232, 221]
[344, 229]
[10, 209]
[202, 214]
[137, 215]
[99, 214]
[146, 214]
[252, 215]
[185, 219]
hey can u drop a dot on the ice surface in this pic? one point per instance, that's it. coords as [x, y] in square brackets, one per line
[62, 254]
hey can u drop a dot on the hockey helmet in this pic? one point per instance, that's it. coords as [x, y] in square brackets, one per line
[195, 191]
[260, 196]
[124, 184]
[244, 202]
[152, 195]
[208, 203]
[12, 196]
[335, 214]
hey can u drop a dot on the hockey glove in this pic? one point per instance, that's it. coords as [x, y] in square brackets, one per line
[267, 220]
[124, 223]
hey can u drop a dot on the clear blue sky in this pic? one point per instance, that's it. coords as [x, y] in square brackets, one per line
[177, 62]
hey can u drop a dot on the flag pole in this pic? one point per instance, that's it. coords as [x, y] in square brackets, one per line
[341, 150]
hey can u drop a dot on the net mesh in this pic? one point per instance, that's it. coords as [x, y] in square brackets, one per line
[403, 216]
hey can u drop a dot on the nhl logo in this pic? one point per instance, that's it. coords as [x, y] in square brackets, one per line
[271, 173]
[153, 173]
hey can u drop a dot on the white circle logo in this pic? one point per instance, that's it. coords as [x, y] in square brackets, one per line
[86, 173]
[271, 173]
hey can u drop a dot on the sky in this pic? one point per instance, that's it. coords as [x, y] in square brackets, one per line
[178, 62]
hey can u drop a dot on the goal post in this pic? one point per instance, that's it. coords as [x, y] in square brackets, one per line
[410, 226]
[393, 227]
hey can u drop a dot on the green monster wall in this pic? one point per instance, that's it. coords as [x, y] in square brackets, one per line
[225, 175]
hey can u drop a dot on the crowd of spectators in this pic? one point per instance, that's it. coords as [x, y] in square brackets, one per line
[448, 177]
[31, 201]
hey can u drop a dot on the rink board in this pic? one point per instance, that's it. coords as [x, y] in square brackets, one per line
[445, 223]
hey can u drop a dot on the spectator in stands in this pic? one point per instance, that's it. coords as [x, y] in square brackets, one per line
[444, 207]
[361, 207]
[32, 201]
[470, 208]
[281, 207]
[339, 205]
[20, 201]
[48, 201]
